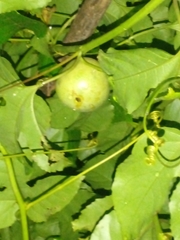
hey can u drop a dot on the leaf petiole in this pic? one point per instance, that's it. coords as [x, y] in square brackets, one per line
[48, 152]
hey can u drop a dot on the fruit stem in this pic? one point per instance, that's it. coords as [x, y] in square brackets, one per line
[150, 6]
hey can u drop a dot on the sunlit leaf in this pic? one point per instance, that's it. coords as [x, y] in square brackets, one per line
[140, 189]
[137, 71]
[8, 209]
[28, 131]
[62, 116]
[108, 228]
[91, 214]
[174, 206]
[8, 203]
[53, 203]
[66, 6]
[55, 162]
[8, 75]
[19, 103]
[172, 111]
[10, 5]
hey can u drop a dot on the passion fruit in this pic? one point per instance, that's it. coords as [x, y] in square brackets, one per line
[83, 86]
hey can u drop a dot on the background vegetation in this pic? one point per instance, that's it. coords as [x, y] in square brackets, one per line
[109, 174]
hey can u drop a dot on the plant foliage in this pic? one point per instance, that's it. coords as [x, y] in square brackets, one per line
[112, 173]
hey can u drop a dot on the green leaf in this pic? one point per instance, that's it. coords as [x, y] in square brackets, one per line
[31, 120]
[12, 22]
[108, 228]
[53, 203]
[62, 116]
[116, 10]
[140, 26]
[41, 45]
[137, 71]
[91, 214]
[8, 75]
[41, 112]
[8, 203]
[172, 111]
[169, 151]
[109, 141]
[161, 13]
[11, 5]
[153, 231]
[8, 209]
[175, 212]
[28, 65]
[29, 133]
[3, 175]
[66, 6]
[46, 229]
[14, 100]
[120, 114]
[55, 162]
[140, 190]
[98, 120]
[66, 216]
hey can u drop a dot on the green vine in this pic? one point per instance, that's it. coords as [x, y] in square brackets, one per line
[17, 194]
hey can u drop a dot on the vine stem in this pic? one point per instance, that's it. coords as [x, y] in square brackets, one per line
[151, 101]
[150, 30]
[17, 194]
[150, 6]
[69, 181]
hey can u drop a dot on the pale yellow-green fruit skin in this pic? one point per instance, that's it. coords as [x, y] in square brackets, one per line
[84, 86]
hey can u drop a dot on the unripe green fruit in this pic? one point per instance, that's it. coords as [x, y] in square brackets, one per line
[84, 86]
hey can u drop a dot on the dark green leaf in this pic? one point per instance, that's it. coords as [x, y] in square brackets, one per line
[66, 216]
[12, 22]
